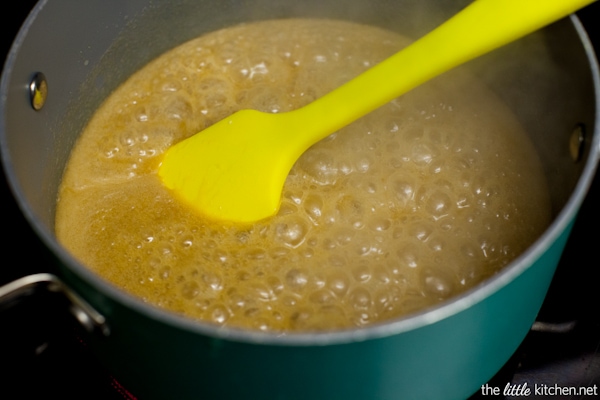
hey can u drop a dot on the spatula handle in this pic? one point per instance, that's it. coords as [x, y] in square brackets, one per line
[479, 28]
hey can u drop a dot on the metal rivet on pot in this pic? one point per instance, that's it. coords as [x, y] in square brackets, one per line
[38, 91]
[576, 142]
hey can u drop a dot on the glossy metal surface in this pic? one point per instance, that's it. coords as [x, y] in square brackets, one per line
[30, 285]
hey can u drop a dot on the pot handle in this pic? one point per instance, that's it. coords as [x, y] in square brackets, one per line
[15, 291]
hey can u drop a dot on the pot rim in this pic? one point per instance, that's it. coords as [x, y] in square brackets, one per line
[402, 324]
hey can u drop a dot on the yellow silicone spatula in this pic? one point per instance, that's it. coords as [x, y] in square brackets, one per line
[235, 169]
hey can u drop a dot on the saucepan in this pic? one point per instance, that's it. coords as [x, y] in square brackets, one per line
[70, 55]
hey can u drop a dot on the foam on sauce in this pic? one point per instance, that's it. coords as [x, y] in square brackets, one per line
[410, 205]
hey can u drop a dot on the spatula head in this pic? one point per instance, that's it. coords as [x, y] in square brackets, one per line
[234, 170]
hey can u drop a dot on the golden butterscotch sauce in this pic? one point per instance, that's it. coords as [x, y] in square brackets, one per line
[408, 206]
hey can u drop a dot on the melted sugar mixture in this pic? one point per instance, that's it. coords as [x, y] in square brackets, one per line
[410, 205]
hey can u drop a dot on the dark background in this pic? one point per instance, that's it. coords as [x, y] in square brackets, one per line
[42, 355]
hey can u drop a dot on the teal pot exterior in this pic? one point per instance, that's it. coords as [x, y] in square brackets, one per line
[85, 49]
[447, 358]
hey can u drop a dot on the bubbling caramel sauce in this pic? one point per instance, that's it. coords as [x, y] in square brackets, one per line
[412, 204]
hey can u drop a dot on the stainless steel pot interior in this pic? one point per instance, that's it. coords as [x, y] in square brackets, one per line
[114, 40]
